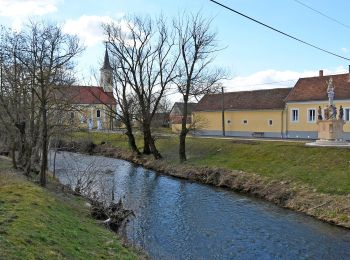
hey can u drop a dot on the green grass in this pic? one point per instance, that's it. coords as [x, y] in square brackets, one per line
[39, 224]
[325, 169]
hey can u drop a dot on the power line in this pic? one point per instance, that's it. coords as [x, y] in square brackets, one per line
[323, 14]
[279, 31]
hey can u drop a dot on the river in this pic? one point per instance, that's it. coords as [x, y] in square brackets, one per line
[178, 219]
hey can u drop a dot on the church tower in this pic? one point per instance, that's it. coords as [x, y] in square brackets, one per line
[106, 77]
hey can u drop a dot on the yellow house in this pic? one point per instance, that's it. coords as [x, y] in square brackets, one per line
[274, 113]
[310, 94]
[256, 113]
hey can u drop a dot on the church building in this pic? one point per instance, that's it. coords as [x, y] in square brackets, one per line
[92, 105]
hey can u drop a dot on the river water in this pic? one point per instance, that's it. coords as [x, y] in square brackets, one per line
[177, 219]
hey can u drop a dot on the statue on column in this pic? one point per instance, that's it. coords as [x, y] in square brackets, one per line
[334, 114]
[330, 130]
[330, 91]
[326, 113]
[319, 112]
[341, 112]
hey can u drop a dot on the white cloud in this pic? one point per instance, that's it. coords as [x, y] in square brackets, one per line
[88, 28]
[15, 8]
[18, 10]
[273, 79]
[345, 50]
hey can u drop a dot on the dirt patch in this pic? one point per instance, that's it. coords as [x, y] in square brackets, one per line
[250, 142]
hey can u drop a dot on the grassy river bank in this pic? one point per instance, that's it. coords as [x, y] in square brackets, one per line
[315, 181]
[38, 223]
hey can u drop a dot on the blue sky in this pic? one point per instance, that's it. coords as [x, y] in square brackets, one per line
[253, 54]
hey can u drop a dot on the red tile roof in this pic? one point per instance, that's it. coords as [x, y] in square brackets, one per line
[87, 95]
[245, 100]
[315, 88]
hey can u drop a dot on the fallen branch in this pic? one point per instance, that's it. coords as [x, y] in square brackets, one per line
[318, 206]
[114, 215]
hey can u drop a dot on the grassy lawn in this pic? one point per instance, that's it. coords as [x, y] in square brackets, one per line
[39, 224]
[324, 169]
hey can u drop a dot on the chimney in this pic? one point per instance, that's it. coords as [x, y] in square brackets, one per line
[321, 72]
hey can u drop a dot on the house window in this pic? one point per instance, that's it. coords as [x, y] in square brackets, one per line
[98, 113]
[311, 115]
[347, 114]
[270, 122]
[295, 115]
[245, 122]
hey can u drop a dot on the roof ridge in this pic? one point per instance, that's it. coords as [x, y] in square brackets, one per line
[254, 90]
[331, 75]
[315, 88]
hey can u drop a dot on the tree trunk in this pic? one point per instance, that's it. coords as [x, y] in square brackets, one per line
[44, 144]
[22, 152]
[146, 140]
[31, 142]
[183, 133]
[54, 163]
[182, 147]
[13, 154]
[154, 149]
[22, 147]
[146, 143]
[131, 139]
[28, 166]
[147, 135]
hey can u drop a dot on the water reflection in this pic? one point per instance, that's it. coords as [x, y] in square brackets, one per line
[177, 219]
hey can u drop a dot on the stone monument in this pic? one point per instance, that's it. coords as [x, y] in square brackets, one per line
[330, 129]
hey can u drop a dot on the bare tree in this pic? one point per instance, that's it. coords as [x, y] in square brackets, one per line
[47, 54]
[96, 182]
[197, 46]
[126, 106]
[13, 95]
[83, 178]
[146, 64]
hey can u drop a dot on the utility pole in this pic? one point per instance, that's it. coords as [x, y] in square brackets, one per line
[223, 111]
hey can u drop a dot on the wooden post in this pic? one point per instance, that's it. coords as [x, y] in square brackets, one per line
[223, 111]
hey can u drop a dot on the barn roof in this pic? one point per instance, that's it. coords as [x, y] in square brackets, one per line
[245, 100]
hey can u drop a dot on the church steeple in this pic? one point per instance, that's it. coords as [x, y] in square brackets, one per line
[106, 64]
[106, 74]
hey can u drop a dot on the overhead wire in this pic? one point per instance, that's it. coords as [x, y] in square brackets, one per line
[279, 31]
[322, 14]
